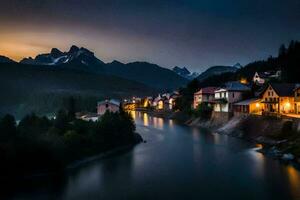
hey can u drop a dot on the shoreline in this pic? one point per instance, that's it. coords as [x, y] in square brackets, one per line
[232, 127]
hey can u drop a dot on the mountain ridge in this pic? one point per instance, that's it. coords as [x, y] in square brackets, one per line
[85, 60]
[185, 73]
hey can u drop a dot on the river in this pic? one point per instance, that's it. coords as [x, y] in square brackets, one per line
[177, 162]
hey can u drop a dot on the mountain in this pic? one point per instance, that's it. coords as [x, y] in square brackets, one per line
[75, 55]
[81, 59]
[185, 73]
[4, 59]
[216, 70]
[42, 89]
[147, 73]
[238, 65]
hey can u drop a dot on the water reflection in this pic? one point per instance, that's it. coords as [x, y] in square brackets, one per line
[294, 180]
[258, 161]
[158, 123]
[133, 114]
[171, 124]
[146, 119]
[175, 163]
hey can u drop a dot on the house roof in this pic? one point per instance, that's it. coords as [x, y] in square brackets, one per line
[247, 102]
[262, 75]
[236, 86]
[207, 90]
[282, 89]
[267, 74]
[111, 101]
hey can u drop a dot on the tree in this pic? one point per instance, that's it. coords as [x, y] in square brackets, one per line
[184, 102]
[8, 128]
[203, 111]
[61, 121]
[71, 108]
[282, 51]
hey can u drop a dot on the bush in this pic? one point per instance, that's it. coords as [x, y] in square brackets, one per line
[203, 111]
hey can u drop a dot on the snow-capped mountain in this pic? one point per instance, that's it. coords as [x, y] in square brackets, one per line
[185, 73]
[75, 55]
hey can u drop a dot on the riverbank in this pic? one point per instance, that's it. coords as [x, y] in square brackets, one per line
[278, 137]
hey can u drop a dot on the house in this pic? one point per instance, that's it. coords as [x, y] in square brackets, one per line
[108, 105]
[262, 77]
[204, 95]
[249, 106]
[297, 99]
[165, 101]
[278, 98]
[227, 96]
[172, 100]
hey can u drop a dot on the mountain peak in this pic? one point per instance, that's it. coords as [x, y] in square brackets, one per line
[184, 72]
[237, 65]
[56, 52]
[73, 49]
[115, 62]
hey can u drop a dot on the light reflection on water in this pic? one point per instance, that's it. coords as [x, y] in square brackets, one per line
[294, 180]
[179, 162]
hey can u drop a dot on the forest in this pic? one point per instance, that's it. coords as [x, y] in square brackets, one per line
[39, 144]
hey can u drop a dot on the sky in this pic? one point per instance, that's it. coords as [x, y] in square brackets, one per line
[191, 33]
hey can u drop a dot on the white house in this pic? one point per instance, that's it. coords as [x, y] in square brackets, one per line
[227, 96]
[261, 77]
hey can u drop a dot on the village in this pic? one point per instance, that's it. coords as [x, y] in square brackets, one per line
[259, 96]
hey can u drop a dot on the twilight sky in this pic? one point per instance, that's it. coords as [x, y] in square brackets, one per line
[191, 33]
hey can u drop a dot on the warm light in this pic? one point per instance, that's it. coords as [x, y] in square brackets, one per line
[171, 104]
[243, 81]
[160, 105]
[146, 103]
[288, 105]
[257, 105]
[145, 119]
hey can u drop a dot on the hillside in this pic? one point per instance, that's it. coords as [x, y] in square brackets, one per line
[29, 88]
[147, 73]
[216, 70]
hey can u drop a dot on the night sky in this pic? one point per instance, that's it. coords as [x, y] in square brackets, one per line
[195, 34]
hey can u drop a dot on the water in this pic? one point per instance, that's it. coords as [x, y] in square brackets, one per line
[177, 162]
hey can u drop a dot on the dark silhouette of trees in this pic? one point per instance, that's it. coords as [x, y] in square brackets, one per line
[39, 144]
[290, 62]
[184, 102]
[8, 129]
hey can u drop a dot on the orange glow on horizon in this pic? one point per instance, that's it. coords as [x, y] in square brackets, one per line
[19, 51]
